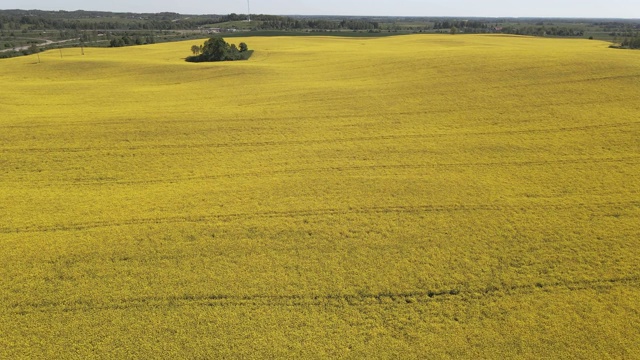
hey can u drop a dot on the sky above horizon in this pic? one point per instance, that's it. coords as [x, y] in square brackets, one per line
[467, 8]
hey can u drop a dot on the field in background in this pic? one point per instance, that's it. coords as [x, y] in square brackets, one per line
[414, 196]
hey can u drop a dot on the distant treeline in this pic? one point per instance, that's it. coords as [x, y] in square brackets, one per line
[78, 21]
[126, 40]
[448, 24]
[95, 20]
[92, 20]
[631, 42]
[563, 31]
[270, 22]
[18, 28]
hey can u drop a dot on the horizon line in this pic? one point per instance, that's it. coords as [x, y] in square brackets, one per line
[346, 15]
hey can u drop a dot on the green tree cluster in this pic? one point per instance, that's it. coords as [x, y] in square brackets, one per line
[460, 24]
[97, 20]
[217, 49]
[126, 40]
[542, 30]
[631, 42]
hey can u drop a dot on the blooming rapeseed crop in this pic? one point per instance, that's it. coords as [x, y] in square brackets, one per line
[414, 196]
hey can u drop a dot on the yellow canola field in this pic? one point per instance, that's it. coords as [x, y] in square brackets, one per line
[402, 197]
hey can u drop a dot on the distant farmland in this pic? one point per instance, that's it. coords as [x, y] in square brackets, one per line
[405, 197]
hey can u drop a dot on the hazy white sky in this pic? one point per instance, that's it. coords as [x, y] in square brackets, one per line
[489, 8]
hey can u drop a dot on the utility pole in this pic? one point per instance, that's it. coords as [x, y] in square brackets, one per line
[249, 10]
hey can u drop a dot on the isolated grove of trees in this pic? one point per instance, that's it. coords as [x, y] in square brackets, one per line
[631, 42]
[217, 49]
[628, 42]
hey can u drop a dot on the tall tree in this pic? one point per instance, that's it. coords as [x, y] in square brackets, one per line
[216, 49]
